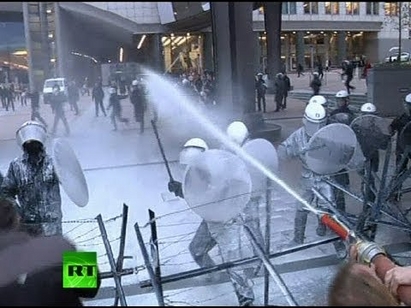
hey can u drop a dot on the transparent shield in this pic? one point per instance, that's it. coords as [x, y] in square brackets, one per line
[217, 185]
[265, 153]
[372, 134]
[331, 149]
[69, 172]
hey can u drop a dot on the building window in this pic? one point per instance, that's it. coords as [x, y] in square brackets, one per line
[332, 8]
[373, 8]
[261, 10]
[352, 8]
[391, 8]
[310, 7]
[289, 8]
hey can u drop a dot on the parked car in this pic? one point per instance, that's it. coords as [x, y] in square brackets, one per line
[48, 87]
[405, 57]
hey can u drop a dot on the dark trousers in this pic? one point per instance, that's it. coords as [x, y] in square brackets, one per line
[261, 98]
[347, 84]
[58, 115]
[35, 115]
[99, 103]
[278, 101]
[200, 246]
[284, 105]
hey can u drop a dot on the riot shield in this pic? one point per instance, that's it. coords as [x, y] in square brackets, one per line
[404, 138]
[265, 153]
[372, 134]
[69, 172]
[217, 185]
[331, 149]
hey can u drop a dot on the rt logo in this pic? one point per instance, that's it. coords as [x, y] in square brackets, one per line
[79, 269]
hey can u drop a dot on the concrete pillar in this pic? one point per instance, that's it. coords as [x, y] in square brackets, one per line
[59, 39]
[272, 19]
[341, 47]
[287, 52]
[257, 60]
[208, 63]
[156, 54]
[300, 48]
[232, 27]
[327, 48]
[44, 29]
[27, 34]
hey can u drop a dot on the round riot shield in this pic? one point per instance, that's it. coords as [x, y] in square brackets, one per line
[69, 172]
[372, 134]
[404, 138]
[217, 185]
[265, 153]
[330, 149]
[341, 117]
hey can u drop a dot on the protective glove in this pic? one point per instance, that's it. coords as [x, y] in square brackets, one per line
[176, 188]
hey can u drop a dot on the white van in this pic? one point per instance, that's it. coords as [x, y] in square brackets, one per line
[49, 84]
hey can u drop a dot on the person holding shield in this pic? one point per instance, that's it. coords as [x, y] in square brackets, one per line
[396, 127]
[295, 146]
[31, 178]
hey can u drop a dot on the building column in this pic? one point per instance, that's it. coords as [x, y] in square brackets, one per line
[272, 18]
[27, 34]
[257, 54]
[287, 53]
[300, 48]
[157, 53]
[208, 63]
[341, 47]
[44, 29]
[59, 41]
[234, 59]
[327, 49]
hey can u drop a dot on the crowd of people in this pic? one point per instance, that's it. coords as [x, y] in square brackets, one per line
[11, 94]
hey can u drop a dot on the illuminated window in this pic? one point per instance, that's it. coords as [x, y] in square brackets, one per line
[391, 9]
[261, 10]
[352, 8]
[310, 7]
[332, 8]
[373, 8]
[289, 8]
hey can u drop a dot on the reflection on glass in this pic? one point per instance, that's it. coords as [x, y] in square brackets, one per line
[372, 8]
[391, 8]
[352, 8]
[332, 8]
[183, 53]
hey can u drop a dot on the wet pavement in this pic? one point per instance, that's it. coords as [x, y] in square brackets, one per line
[126, 167]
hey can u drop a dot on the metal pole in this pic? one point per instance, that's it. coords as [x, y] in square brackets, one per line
[120, 258]
[267, 239]
[155, 253]
[153, 279]
[110, 256]
[27, 34]
[361, 200]
[242, 262]
[270, 268]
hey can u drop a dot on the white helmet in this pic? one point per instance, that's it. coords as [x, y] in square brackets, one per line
[237, 132]
[315, 117]
[112, 90]
[407, 99]
[368, 108]
[342, 94]
[191, 149]
[318, 99]
[31, 131]
[316, 74]
[134, 83]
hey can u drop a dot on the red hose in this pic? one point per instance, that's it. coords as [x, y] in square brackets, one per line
[335, 226]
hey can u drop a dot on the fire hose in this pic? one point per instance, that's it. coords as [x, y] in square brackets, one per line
[368, 252]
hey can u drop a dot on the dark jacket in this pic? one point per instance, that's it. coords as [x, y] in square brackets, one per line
[138, 99]
[97, 93]
[43, 284]
[34, 100]
[57, 102]
[114, 102]
[260, 86]
[396, 126]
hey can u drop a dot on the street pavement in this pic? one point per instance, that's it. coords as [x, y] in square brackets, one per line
[126, 167]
